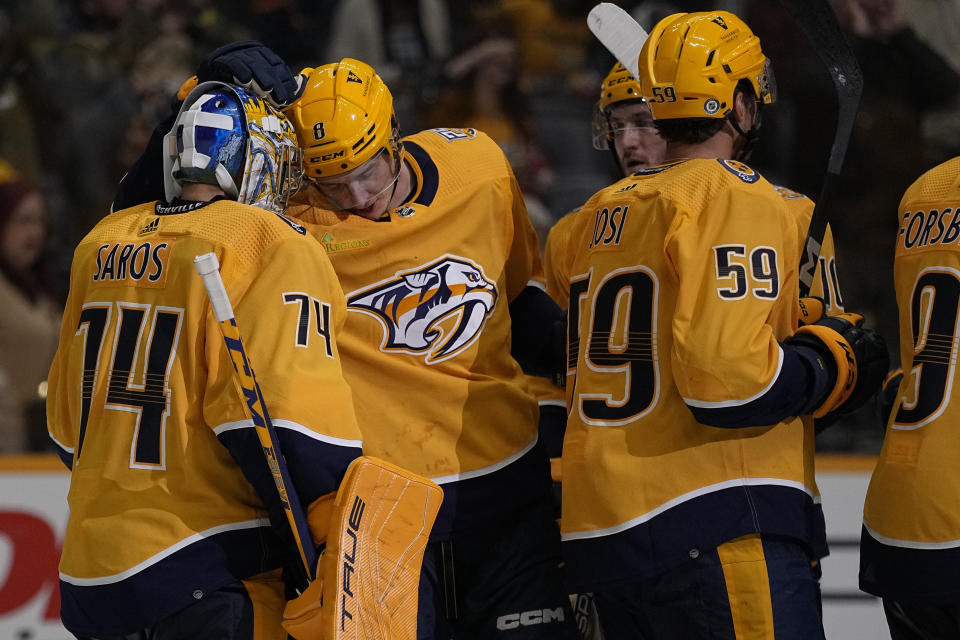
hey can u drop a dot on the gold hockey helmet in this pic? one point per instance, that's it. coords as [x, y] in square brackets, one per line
[343, 118]
[619, 86]
[691, 64]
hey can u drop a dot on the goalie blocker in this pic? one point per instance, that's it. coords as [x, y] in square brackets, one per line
[368, 576]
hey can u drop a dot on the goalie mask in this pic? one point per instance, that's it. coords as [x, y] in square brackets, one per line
[232, 139]
[691, 64]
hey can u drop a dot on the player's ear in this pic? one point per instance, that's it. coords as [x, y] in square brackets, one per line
[744, 109]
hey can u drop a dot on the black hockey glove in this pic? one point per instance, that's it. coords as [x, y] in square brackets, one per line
[888, 396]
[856, 357]
[253, 66]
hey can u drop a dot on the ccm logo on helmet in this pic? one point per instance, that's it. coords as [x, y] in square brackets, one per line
[529, 618]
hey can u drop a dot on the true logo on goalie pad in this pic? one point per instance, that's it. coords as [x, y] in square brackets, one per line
[350, 559]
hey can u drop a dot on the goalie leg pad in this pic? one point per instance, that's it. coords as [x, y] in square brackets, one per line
[370, 570]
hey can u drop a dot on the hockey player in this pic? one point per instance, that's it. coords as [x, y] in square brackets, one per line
[909, 550]
[171, 499]
[689, 496]
[431, 242]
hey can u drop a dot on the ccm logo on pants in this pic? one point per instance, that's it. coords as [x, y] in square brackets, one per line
[529, 618]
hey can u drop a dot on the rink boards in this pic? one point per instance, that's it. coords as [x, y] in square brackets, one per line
[33, 516]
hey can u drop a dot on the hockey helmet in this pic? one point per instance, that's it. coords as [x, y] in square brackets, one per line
[343, 118]
[619, 86]
[232, 139]
[691, 64]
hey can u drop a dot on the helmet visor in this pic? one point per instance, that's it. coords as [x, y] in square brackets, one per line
[768, 84]
[361, 187]
[610, 125]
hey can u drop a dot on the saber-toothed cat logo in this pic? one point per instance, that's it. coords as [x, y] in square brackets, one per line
[436, 310]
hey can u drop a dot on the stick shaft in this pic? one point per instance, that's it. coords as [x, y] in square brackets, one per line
[255, 410]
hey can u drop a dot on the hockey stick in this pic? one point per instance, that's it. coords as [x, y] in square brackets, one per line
[818, 22]
[255, 411]
[619, 33]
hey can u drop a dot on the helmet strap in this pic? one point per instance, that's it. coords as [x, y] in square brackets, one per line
[750, 136]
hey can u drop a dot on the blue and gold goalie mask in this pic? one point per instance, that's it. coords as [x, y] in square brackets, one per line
[232, 139]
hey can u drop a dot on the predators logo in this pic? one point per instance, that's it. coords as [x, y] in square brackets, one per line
[437, 310]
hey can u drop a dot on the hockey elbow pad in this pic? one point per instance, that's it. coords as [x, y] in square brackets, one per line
[859, 358]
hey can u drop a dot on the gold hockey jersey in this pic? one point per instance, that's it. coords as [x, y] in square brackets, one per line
[170, 495]
[426, 347]
[683, 285]
[825, 283]
[910, 543]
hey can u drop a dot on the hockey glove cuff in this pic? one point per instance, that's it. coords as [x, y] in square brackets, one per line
[859, 358]
[811, 309]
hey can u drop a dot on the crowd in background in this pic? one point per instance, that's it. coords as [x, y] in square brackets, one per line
[84, 82]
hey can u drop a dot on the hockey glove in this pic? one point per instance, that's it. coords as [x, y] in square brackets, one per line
[812, 309]
[888, 395]
[255, 67]
[856, 356]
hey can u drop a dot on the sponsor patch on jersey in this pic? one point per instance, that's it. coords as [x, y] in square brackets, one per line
[455, 134]
[740, 170]
[435, 311]
[123, 264]
[332, 245]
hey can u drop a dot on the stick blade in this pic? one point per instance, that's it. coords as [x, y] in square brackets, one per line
[619, 33]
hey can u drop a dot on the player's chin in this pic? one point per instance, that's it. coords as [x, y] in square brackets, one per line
[371, 210]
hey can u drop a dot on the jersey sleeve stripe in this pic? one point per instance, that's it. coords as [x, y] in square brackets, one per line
[785, 396]
[299, 428]
[293, 426]
[704, 404]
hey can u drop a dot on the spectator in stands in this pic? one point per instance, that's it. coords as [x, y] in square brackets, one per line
[30, 321]
[406, 41]
[483, 91]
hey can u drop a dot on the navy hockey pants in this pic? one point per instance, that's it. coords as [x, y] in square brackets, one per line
[247, 610]
[500, 584]
[746, 589]
[922, 621]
